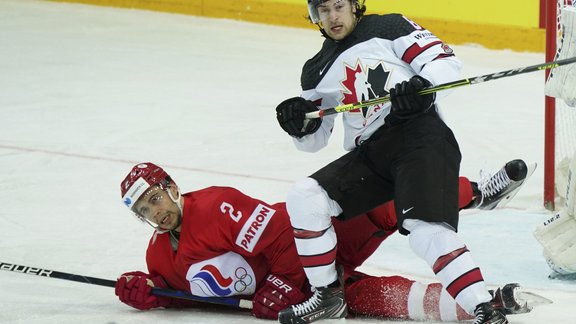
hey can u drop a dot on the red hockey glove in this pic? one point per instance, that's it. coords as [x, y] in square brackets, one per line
[276, 294]
[134, 289]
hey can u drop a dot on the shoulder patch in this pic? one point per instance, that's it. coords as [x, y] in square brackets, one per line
[447, 49]
[254, 227]
[228, 274]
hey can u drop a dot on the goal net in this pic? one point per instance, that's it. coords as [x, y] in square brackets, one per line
[560, 129]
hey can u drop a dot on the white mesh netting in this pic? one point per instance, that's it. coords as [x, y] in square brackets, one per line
[562, 85]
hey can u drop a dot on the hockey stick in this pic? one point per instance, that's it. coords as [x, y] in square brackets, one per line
[444, 86]
[227, 301]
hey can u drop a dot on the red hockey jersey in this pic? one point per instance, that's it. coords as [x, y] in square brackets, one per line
[228, 243]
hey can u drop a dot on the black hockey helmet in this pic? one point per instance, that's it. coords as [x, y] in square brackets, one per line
[315, 17]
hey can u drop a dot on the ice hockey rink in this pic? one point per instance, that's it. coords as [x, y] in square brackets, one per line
[86, 92]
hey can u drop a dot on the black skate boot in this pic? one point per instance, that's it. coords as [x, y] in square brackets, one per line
[326, 303]
[486, 314]
[497, 190]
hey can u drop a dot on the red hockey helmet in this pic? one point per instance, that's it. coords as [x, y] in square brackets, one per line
[141, 178]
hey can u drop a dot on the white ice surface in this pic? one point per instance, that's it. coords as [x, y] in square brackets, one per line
[86, 92]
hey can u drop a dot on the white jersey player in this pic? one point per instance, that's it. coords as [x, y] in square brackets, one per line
[400, 150]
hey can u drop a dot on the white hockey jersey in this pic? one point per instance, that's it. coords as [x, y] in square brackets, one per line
[382, 51]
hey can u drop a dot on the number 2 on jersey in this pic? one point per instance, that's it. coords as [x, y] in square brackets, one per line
[228, 208]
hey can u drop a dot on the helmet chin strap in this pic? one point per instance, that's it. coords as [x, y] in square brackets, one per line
[154, 226]
[178, 203]
[176, 200]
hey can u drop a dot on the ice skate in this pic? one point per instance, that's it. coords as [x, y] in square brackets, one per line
[505, 299]
[486, 313]
[513, 299]
[326, 303]
[497, 190]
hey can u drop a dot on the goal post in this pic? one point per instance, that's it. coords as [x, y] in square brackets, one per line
[560, 119]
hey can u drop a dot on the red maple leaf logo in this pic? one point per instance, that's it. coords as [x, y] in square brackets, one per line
[350, 95]
[361, 85]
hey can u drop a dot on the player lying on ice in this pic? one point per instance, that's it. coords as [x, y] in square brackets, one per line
[219, 242]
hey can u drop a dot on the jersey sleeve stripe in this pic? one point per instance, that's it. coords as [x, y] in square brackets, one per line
[413, 51]
[441, 56]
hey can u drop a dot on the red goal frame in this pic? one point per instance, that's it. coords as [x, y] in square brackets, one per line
[549, 20]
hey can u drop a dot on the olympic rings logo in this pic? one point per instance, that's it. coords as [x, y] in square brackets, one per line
[244, 280]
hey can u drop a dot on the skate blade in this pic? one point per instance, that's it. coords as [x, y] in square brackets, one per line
[531, 299]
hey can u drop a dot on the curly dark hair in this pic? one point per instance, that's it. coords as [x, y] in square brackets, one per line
[360, 8]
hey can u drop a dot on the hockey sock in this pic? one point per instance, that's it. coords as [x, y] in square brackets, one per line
[399, 297]
[310, 211]
[450, 260]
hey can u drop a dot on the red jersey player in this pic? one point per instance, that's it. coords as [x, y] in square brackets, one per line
[219, 242]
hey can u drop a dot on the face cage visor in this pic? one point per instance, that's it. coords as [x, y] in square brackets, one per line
[165, 188]
[151, 223]
[139, 215]
[313, 9]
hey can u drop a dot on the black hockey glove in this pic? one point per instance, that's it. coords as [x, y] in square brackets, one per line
[291, 115]
[406, 102]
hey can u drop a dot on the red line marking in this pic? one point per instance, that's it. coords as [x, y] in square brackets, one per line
[133, 162]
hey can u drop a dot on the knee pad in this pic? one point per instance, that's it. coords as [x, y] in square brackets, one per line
[309, 206]
[432, 240]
